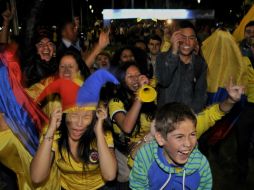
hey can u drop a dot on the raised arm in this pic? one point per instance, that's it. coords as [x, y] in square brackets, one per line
[41, 164]
[107, 159]
[210, 115]
[7, 17]
[127, 121]
[103, 42]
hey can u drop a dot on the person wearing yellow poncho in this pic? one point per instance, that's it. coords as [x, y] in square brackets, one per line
[224, 60]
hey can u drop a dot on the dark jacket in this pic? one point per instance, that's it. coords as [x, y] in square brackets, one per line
[185, 83]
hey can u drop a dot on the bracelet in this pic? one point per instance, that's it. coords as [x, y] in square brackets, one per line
[49, 138]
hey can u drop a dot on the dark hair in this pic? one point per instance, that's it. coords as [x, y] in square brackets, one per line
[155, 37]
[139, 55]
[251, 23]
[42, 32]
[126, 95]
[187, 24]
[84, 70]
[168, 117]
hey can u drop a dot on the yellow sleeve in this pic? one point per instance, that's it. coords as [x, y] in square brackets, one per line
[35, 90]
[109, 139]
[207, 118]
[115, 105]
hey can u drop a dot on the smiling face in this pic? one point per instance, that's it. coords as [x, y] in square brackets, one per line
[102, 61]
[132, 78]
[68, 67]
[179, 143]
[77, 123]
[188, 41]
[45, 49]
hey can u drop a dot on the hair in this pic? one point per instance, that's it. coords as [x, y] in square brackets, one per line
[84, 70]
[251, 23]
[125, 95]
[170, 115]
[42, 32]
[187, 24]
[155, 37]
[139, 55]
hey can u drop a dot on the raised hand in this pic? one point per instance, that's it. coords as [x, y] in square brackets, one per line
[55, 119]
[8, 14]
[234, 91]
[101, 113]
[143, 80]
[175, 40]
[103, 39]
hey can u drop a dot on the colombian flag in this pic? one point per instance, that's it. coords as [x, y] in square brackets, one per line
[20, 112]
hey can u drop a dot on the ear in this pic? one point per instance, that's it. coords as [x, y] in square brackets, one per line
[159, 138]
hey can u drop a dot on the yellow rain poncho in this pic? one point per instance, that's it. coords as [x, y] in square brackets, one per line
[224, 60]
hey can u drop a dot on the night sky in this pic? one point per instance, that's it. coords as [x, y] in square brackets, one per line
[53, 11]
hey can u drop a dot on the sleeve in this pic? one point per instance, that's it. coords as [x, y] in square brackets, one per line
[109, 139]
[166, 66]
[207, 118]
[205, 175]
[115, 105]
[200, 91]
[139, 175]
[35, 90]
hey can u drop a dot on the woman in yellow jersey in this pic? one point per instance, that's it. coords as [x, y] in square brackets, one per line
[131, 117]
[72, 67]
[77, 141]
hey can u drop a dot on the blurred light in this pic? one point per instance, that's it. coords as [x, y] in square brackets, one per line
[20, 27]
[112, 21]
[90, 6]
[199, 1]
[92, 11]
[161, 14]
[139, 19]
[54, 26]
[230, 11]
[169, 21]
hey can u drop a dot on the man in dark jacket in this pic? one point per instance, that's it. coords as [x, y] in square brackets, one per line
[181, 72]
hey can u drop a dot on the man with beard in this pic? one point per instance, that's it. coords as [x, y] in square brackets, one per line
[181, 72]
